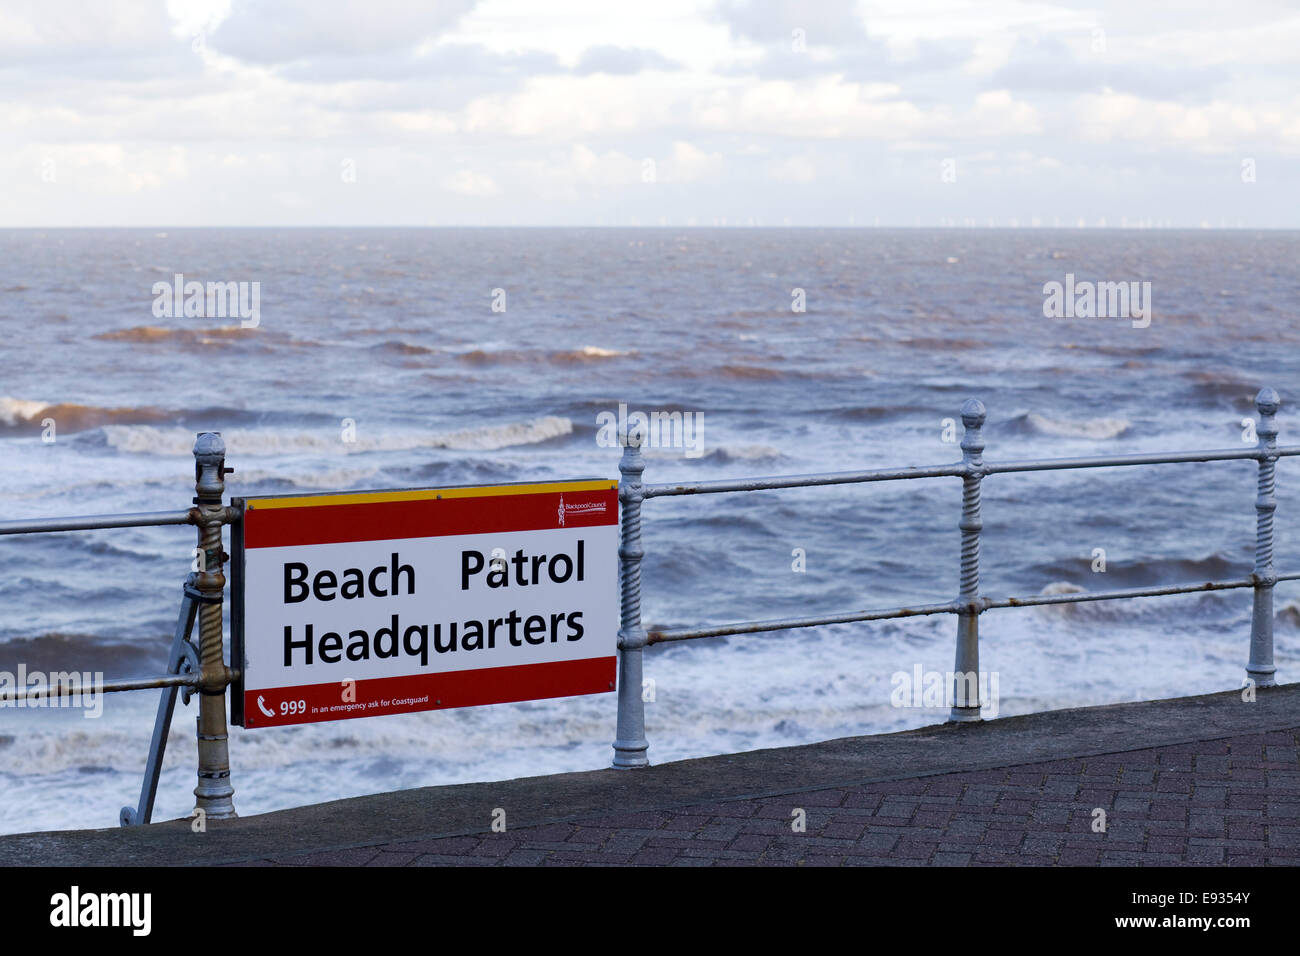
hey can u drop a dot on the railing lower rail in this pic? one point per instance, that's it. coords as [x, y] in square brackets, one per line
[68, 689]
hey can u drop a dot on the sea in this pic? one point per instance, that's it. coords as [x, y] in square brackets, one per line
[480, 356]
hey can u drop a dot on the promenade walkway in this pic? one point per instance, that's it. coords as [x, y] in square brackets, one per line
[1190, 781]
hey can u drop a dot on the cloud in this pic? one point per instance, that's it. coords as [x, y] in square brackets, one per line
[792, 40]
[1215, 127]
[826, 22]
[508, 112]
[871, 61]
[562, 174]
[796, 169]
[688, 164]
[621, 61]
[36, 30]
[270, 32]
[830, 108]
[1048, 65]
[92, 169]
[467, 182]
[565, 108]
[114, 40]
[464, 62]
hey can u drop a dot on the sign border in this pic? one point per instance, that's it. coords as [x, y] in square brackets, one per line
[377, 496]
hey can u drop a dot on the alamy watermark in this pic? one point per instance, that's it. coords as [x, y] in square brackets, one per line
[76, 908]
[936, 689]
[684, 430]
[1098, 300]
[55, 689]
[217, 300]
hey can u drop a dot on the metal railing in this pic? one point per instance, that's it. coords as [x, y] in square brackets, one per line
[190, 668]
[200, 667]
[630, 742]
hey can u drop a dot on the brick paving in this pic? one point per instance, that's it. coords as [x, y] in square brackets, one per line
[1231, 801]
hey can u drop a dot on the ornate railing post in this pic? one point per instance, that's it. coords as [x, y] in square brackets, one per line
[214, 794]
[966, 676]
[1260, 669]
[630, 744]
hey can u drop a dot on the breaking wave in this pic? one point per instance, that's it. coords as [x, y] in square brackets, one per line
[1217, 389]
[68, 417]
[588, 353]
[1148, 572]
[1095, 429]
[747, 372]
[1130, 610]
[84, 652]
[743, 453]
[324, 479]
[1288, 616]
[222, 335]
[154, 333]
[150, 440]
[398, 347]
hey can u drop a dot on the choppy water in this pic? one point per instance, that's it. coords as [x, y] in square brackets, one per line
[394, 329]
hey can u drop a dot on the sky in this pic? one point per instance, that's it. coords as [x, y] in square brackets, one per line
[720, 112]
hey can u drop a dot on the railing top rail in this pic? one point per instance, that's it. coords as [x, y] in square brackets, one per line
[799, 481]
[140, 519]
[665, 489]
[1254, 452]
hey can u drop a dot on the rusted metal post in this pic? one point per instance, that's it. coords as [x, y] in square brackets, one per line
[630, 744]
[214, 794]
[1260, 668]
[966, 676]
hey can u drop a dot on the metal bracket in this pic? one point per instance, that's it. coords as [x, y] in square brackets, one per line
[184, 659]
[202, 597]
[189, 665]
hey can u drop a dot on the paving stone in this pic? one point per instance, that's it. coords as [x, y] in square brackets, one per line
[1234, 801]
[750, 841]
[655, 856]
[1205, 854]
[389, 858]
[720, 831]
[357, 857]
[846, 830]
[444, 846]
[525, 856]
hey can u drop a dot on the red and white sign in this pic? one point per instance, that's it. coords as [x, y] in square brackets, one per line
[372, 603]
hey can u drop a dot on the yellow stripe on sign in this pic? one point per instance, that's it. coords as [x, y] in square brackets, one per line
[423, 494]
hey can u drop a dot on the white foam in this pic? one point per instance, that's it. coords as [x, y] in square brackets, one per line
[152, 440]
[749, 452]
[1061, 587]
[15, 410]
[326, 478]
[1094, 428]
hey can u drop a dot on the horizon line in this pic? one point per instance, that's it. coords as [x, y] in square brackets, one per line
[680, 226]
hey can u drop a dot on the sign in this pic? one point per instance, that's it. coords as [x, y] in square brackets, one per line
[389, 602]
